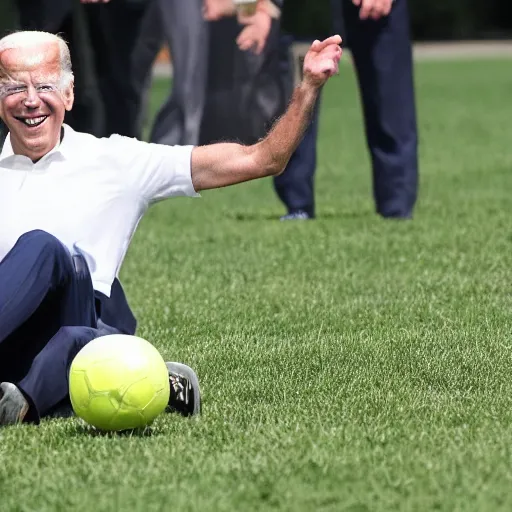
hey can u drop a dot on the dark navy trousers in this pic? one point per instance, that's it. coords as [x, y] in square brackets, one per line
[383, 59]
[295, 186]
[48, 312]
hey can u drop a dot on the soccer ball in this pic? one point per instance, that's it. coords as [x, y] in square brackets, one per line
[118, 382]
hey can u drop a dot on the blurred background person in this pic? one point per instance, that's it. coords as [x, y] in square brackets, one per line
[180, 25]
[256, 15]
[101, 40]
[113, 30]
[209, 65]
[245, 90]
[377, 33]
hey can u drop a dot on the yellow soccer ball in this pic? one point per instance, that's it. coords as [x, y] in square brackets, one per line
[118, 382]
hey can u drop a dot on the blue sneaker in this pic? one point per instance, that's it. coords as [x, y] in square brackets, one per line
[297, 215]
[185, 397]
[13, 405]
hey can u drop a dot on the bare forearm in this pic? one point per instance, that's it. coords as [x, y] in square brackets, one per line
[276, 149]
[223, 164]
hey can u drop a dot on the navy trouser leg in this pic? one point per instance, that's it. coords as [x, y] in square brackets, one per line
[39, 269]
[42, 288]
[295, 186]
[47, 381]
[383, 59]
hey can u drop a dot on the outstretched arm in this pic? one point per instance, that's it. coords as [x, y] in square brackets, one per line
[220, 165]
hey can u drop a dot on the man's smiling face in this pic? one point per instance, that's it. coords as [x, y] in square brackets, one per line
[32, 100]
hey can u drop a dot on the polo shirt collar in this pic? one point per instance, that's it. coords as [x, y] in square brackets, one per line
[62, 149]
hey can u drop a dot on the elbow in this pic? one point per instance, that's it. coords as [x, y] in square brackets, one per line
[277, 166]
[271, 169]
[269, 164]
[276, 169]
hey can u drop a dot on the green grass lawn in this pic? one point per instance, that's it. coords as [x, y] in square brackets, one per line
[348, 363]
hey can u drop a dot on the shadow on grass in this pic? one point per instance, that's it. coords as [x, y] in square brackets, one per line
[76, 427]
[329, 215]
[82, 430]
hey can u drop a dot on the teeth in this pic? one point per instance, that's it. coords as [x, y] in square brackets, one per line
[34, 121]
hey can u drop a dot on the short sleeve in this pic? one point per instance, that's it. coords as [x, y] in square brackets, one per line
[156, 171]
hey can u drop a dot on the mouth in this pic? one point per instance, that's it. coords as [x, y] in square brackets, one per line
[32, 122]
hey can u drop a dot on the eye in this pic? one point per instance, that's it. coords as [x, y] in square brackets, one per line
[45, 88]
[15, 89]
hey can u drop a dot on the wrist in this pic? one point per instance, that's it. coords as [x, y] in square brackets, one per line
[269, 8]
[308, 89]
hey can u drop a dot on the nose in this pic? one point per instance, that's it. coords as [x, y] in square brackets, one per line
[32, 99]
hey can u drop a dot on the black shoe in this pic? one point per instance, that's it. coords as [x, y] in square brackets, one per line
[61, 410]
[185, 397]
[13, 405]
[296, 215]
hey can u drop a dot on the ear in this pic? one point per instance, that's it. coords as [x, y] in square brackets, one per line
[68, 96]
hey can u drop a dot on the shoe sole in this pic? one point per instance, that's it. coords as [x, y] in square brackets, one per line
[191, 376]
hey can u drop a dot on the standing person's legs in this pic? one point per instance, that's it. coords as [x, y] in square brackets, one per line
[88, 113]
[186, 33]
[148, 44]
[69, 20]
[295, 186]
[383, 59]
[114, 28]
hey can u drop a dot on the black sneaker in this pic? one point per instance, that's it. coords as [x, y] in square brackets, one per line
[13, 405]
[185, 397]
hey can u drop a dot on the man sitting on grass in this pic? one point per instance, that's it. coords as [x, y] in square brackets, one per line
[70, 203]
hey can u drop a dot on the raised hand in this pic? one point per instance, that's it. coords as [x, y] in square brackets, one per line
[255, 33]
[322, 61]
[214, 10]
[373, 9]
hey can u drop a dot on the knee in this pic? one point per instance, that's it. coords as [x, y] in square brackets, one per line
[42, 241]
[78, 334]
[75, 338]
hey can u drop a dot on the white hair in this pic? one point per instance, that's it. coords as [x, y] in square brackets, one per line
[29, 39]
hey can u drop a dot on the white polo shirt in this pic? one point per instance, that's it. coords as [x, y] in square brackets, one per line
[90, 193]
